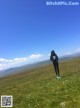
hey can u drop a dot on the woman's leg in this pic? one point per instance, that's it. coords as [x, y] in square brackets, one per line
[57, 67]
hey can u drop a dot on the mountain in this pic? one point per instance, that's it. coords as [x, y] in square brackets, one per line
[34, 65]
[23, 68]
[74, 55]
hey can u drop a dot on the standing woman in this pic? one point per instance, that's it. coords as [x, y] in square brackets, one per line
[54, 59]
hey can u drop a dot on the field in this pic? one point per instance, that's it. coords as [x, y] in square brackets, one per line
[39, 88]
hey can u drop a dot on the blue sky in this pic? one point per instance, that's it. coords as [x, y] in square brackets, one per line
[30, 29]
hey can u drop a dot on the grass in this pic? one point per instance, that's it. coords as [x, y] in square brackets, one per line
[39, 88]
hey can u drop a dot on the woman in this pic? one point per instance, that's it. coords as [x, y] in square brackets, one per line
[54, 59]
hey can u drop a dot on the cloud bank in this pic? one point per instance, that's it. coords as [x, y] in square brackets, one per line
[9, 63]
[74, 51]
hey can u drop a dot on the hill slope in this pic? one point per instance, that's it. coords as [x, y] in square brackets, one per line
[39, 87]
[20, 69]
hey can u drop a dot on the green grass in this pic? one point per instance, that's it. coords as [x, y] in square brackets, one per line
[39, 88]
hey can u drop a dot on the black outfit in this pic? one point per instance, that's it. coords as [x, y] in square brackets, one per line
[54, 59]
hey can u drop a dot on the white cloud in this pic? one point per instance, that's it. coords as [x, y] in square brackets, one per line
[68, 53]
[2, 66]
[72, 52]
[35, 56]
[78, 50]
[8, 63]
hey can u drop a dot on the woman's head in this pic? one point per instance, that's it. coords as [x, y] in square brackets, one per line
[52, 52]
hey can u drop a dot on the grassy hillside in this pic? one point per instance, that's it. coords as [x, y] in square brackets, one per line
[39, 88]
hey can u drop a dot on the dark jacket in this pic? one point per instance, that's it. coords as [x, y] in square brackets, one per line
[54, 57]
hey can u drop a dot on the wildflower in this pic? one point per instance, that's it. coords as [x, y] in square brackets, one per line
[62, 104]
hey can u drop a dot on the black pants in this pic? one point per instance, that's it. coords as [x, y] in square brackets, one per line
[56, 67]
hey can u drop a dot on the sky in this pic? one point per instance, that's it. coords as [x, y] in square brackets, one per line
[30, 29]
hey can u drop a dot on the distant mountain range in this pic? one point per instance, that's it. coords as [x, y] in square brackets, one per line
[69, 56]
[34, 65]
[23, 68]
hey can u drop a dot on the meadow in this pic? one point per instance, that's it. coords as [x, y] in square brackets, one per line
[39, 88]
